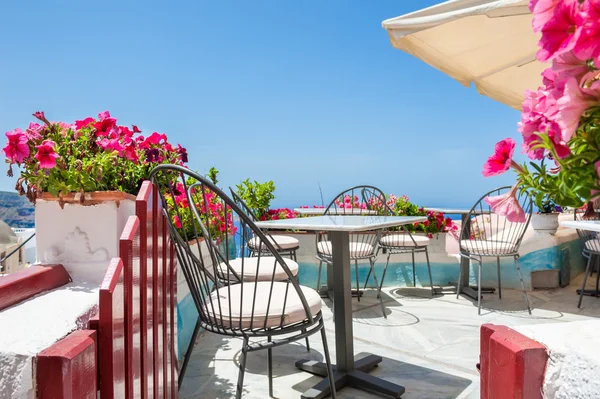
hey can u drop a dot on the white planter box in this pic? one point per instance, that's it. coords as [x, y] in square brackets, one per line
[545, 222]
[81, 236]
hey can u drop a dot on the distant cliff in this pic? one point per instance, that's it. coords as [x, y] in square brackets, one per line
[16, 210]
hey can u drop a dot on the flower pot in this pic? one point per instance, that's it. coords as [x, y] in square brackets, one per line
[82, 234]
[545, 222]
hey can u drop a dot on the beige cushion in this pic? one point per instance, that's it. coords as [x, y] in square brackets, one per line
[487, 247]
[284, 242]
[264, 264]
[357, 249]
[404, 240]
[593, 245]
[239, 303]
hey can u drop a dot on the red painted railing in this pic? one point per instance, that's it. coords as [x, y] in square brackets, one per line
[136, 321]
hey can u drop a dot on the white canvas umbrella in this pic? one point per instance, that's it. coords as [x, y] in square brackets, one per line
[487, 42]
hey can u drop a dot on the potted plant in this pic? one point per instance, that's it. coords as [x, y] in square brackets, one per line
[546, 220]
[83, 178]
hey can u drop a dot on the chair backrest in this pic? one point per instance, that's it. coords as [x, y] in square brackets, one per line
[243, 206]
[356, 201]
[491, 234]
[589, 239]
[204, 223]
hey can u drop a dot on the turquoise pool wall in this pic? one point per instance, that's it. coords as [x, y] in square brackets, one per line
[400, 273]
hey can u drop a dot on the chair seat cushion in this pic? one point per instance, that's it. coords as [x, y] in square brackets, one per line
[488, 247]
[593, 245]
[357, 249]
[404, 240]
[264, 264]
[284, 242]
[249, 307]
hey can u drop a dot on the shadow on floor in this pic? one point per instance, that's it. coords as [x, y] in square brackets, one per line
[420, 382]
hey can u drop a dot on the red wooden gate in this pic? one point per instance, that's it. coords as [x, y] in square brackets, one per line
[136, 323]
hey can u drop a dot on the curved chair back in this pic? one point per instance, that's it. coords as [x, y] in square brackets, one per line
[356, 201]
[230, 296]
[589, 239]
[489, 234]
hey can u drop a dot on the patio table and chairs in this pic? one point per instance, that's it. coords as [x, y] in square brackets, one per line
[339, 229]
[256, 298]
[488, 234]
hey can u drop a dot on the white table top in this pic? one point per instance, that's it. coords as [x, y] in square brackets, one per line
[319, 211]
[340, 223]
[589, 225]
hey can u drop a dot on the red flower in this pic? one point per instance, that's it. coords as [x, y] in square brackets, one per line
[136, 129]
[83, 123]
[46, 154]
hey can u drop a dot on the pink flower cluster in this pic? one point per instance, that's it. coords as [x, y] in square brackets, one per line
[349, 202]
[570, 39]
[281, 213]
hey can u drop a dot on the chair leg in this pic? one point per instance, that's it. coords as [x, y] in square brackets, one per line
[458, 284]
[319, 276]
[384, 271]
[522, 284]
[368, 277]
[372, 261]
[479, 288]
[357, 283]
[240, 383]
[307, 343]
[597, 274]
[188, 353]
[270, 366]
[414, 272]
[587, 271]
[429, 270]
[328, 361]
[499, 280]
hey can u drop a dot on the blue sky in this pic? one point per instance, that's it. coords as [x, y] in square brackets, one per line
[299, 92]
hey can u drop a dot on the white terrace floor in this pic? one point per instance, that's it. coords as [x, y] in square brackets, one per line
[430, 346]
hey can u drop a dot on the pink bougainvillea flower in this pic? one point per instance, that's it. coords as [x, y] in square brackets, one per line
[501, 160]
[177, 222]
[65, 126]
[83, 123]
[39, 115]
[508, 205]
[103, 115]
[34, 131]
[46, 154]
[561, 31]
[588, 45]
[111, 145]
[16, 150]
[573, 103]
[567, 64]
[542, 11]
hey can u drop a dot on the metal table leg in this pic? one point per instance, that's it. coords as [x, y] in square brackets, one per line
[346, 370]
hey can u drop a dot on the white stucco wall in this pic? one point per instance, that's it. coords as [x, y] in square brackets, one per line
[574, 358]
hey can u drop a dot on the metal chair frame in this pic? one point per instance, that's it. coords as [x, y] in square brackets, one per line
[591, 254]
[511, 233]
[205, 284]
[291, 252]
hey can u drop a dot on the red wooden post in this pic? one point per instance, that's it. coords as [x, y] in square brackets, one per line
[67, 369]
[143, 210]
[111, 336]
[512, 365]
[157, 295]
[129, 253]
[19, 286]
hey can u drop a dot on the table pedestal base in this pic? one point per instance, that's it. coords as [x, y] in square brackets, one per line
[357, 378]
[589, 292]
[470, 291]
[324, 292]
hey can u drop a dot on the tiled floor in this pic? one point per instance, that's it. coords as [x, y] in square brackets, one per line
[429, 345]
